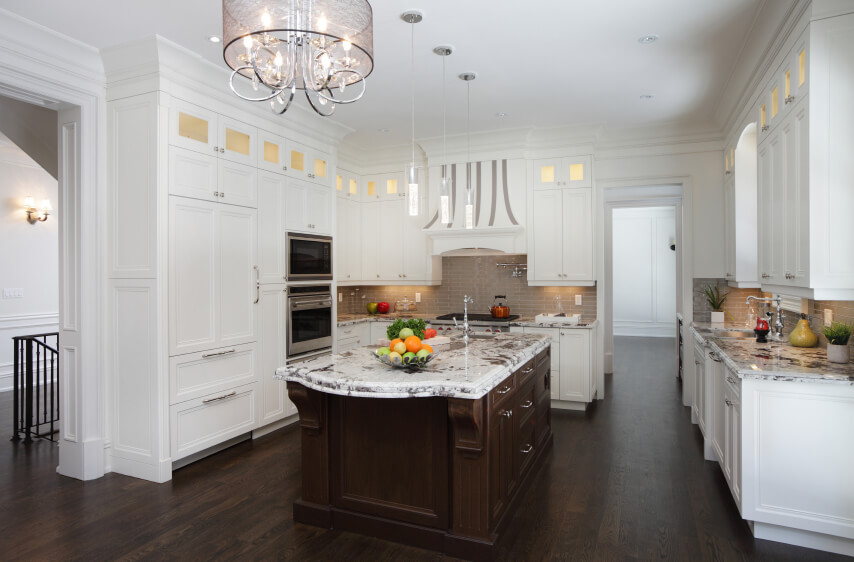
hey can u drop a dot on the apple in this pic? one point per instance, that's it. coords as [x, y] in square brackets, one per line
[399, 348]
[382, 307]
[383, 351]
[405, 333]
[408, 357]
[429, 333]
[394, 357]
[422, 354]
[372, 308]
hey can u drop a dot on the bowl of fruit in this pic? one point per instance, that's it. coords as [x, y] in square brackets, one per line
[406, 348]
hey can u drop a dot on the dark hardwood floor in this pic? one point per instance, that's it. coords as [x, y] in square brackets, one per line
[626, 481]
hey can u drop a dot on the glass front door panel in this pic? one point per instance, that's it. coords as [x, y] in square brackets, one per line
[238, 142]
[271, 152]
[297, 161]
[192, 127]
[319, 168]
[311, 324]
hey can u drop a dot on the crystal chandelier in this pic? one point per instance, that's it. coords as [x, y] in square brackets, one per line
[324, 47]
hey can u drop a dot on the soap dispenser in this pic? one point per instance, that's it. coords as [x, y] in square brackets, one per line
[802, 336]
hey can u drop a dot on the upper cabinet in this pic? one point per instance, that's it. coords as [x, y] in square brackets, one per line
[348, 185]
[550, 173]
[272, 153]
[384, 187]
[306, 163]
[560, 249]
[789, 83]
[308, 208]
[201, 130]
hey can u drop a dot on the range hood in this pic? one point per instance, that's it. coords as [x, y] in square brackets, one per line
[498, 198]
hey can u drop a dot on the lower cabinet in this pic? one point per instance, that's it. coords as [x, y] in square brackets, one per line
[378, 331]
[731, 463]
[353, 336]
[718, 409]
[573, 377]
[272, 338]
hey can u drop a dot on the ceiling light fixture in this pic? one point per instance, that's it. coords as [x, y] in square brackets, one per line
[412, 17]
[467, 77]
[318, 46]
[214, 39]
[647, 39]
[445, 185]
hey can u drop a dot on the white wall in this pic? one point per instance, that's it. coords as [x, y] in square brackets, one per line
[644, 270]
[28, 253]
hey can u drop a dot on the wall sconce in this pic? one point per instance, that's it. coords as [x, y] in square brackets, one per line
[37, 215]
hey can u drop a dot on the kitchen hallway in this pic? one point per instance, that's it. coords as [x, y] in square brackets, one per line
[625, 481]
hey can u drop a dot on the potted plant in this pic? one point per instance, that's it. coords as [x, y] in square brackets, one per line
[716, 301]
[837, 335]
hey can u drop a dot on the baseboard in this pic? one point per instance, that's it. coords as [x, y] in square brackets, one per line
[800, 537]
[567, 405]
[159, 472]
[275, 426]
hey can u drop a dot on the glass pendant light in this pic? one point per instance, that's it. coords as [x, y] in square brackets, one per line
[445, 186]
[468, 77]
[412, 17]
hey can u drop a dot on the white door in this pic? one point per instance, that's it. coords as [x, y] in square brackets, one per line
[272, 317]
[271, 227]
[575, 365]
[729, 232]
[577, 234]
[272, 155]
[192, 174]
[372, 248]
[797, 195]
[390, 238]
[776, 226]
[237, 275]
[238, 141]
[319, 210]
[238, 184]
[192, 275]
[193, 127]
[348, 240]
[548, 237]
[296, 206]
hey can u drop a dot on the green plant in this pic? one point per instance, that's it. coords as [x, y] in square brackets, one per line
[714, 297]
[417, 325]
[838, 333]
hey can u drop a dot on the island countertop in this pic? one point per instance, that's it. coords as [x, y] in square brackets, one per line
[458, 371]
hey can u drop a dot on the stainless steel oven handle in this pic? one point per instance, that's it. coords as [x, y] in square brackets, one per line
[306, 305]
[257, 284]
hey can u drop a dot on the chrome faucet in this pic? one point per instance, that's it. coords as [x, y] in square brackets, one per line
[778, 321]
[466, 301]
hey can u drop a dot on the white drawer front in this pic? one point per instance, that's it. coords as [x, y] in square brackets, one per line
[197, 374]
[204, 422]
[346, 344]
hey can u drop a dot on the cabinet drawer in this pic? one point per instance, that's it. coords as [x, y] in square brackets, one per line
[504, 390]
[526, 372]
[544, 421]
[209, 420]
[527, 401]
[346, 344]
[198, 374]
[527, 445]
[732, 382]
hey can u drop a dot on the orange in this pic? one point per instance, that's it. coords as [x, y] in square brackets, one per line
[394, 342]
[413, 344]
[427, 347]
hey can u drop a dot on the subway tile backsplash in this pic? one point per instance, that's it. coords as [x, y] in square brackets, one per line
[480, 278]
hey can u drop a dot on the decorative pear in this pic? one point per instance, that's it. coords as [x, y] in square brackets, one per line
[802, 336]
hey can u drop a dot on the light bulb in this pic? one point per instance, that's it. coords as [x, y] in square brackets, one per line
[346, 45]
[445, 205]
[321, 23]
[278, 60]
[325, 62]
[322, 100]
[413, 199]
[469, 215]
[46, 205]
[247, 43]
[266, 20]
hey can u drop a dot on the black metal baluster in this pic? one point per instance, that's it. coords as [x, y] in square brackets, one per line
[16, 344]
[28, 393]
[36, 389]
[52, 390]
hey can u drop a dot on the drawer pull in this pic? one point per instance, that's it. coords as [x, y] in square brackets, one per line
[526, 404]
[507, 413]
[223, 397]
[505, 390]
[528, 370]
[526, 449]
[226, 352]
[730, 402]
[714, 357]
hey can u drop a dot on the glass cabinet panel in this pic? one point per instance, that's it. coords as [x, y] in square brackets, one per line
[802, 67]
[297, 160]
[319, 168]
[271, 152]
[547, 174]
[775, 107]
[192, 127]
[391, 186]
[354, 187]
[788, 83]
[339, 183]
[372, 188]
[236, 141]
[762, 116]
[576, 172]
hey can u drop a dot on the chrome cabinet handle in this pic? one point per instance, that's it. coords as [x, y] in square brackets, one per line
[226, 352]
[505, 390]
[223, 397]
[526, 404]
[507, 413]
[789, 99]
[765, 276]
[730, 402]
[222, 151]
[216, 193]
[528, 370]
[526, 449]
[216, 149]
[257, 284]
[222, 193]
[765, 128]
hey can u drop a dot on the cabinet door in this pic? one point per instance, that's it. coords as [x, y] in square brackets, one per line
[296, 206]
[773, 96]
[415, 256]
[548, 235]
[502, 455]
[272, 153]
[390, 266]
[577, 172]
[734, 446]
[300, 161]
[238, 142]
[192, 275]
[577, 235]
[699, 389]
[272, 260]
[372, 246]
[796, 132]
[192, 174]
[771, 210]
[352, 240]
[575, 375]
[193, 127]
[373, 186]
[238, 184]
[729, 229]
[547, 173]
[319, 210]
[718, 411]
[554, 373]
[320, 171]
[272, 316]
[799, 60]
[236, 292]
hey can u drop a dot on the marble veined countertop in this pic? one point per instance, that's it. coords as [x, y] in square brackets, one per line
[458, 371]
[348, 319]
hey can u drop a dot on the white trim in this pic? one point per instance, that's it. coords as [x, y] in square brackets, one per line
[644, 329]
[11, 322]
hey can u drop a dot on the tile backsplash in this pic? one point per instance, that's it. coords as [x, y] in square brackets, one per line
[735, 306]
[482, 279]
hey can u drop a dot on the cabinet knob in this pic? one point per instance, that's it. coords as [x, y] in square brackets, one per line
[507, 413]
[378, 275]
[216, 149]
[765, 128]
[285, 168]
[222, 151]
[222, 193]
[526, 449]
[789, 99]
[765, 276]
[216, 193]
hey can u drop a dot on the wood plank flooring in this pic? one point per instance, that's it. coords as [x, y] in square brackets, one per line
[626, 481]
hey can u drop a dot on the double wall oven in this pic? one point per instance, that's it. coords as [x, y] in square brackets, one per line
[309, 320]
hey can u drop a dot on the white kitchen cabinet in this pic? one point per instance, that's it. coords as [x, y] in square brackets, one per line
[573, 376]
[204, 372]
[562, 237]
[698, 408]
[718, 410]
[554, 374]
[353, 336]
[384, 187]
[378, 331]
[308, 208]
[201, 130]
[348, 185]
[371, 245]
[206, 177]
[272, 152]
[553, 173]
[348, 241]
[305, 163]
[213, 275]
[272, 257]
[272, 338]
[731, 463]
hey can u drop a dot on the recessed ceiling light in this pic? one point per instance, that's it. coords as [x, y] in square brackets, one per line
[501, 115]
[647, 96]
[214, 39]
[647, 39]
[383, 130]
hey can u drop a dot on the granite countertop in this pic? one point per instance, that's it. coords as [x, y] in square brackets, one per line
[348, 319]
[529, 322]
[458, 371]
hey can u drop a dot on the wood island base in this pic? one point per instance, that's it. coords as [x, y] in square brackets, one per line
[437, 473]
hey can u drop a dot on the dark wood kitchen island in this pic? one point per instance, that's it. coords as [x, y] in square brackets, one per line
[435, 458]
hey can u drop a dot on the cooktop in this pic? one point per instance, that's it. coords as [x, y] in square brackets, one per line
[477, 317]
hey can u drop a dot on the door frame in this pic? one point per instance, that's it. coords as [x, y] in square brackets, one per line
[77, 85]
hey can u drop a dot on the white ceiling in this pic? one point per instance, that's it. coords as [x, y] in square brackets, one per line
[546, 63]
